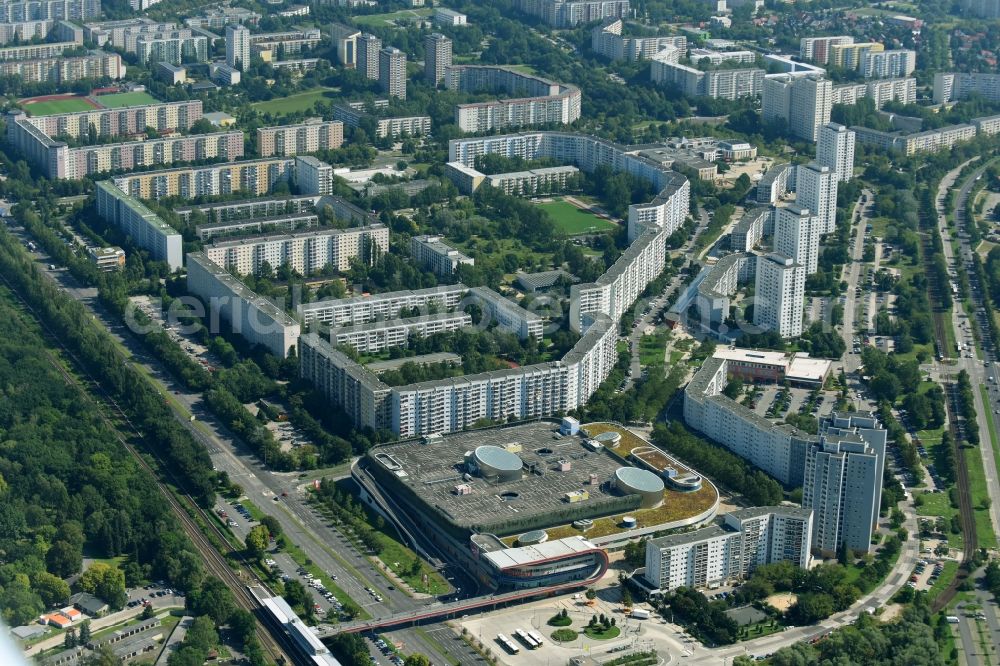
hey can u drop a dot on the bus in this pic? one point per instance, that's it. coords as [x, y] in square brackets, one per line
[508, 645]
[526, 638]
[537, 636]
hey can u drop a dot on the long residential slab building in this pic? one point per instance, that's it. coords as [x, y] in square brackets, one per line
[61, 70]
[255, 177]
[540, 101]
[250, 315]
[37, 10]
[307, 137]
[143, 226]
[607, 39]
[569, 13]
[306, 252]
[840, 469]
[374, 337]
[732, 550]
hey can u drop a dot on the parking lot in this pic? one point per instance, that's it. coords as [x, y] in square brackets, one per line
[177, 333]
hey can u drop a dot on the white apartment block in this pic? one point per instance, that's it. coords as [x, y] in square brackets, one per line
[392, 127]
[366, 309]
[237, 47]
[779, 295]
[951, 86]
[307, 137]
[540, 101]
[796, 235]
[392, 72]
[803, 103]
[375, 337]
[908, 144]
[842, 483]
[720, 83]
[508, 316]
[164, 117]
[987, 126]
[36, 51]
[59, 70]
[217, 18]
[25, 31]
[776, 183]
[431, 252]
[369, 47]
[779, 450]
[124, 33]
[346, 39]
[142, 225]
[607, 40]
[818, 50]
[748, 538]
[306, 252]
[453, 404]
[41, 10]
[437, 57]
[568, 13]
[313, 176]
[699, 56]
[256, 319]
[895, 63]
[835, 149]
[749, 230]
[720, 283]
[880, 91]
[449, 17]
[255, 177]
[816, 190]
[515, 183]
[175, 47]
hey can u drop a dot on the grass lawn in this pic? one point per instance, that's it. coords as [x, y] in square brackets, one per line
[302, 101]
[938, 504]
[52, 107]
[386, 20]
[118, 100]
[651, 349]
[524, 69]
[977, 487]
[599, 635]
[991, 424]
[572, 221]
[563, 635]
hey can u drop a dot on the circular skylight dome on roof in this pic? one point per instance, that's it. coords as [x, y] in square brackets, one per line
[492, 461]
[635, 481]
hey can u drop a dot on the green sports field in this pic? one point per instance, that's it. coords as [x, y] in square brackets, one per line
[118, 100]
[572, 221]
[303, 101]
[388, 20]
[51, 107]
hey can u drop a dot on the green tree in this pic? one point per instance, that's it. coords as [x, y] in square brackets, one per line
[257, 540]
[64, 559]
[105, 581]
[52, 589]
[84, 637]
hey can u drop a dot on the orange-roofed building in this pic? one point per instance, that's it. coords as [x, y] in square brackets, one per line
[57, 620]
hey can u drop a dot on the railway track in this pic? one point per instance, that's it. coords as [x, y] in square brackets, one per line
[215, 562]
[940, 316]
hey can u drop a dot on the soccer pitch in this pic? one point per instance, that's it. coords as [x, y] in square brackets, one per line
[54, 106]
[118, 100]
[303, 101]
[572, 220]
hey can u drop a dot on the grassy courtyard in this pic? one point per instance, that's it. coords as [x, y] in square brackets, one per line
[119, 100]
[572, 220]
[390, 19]
[303, 101]
[52, 107]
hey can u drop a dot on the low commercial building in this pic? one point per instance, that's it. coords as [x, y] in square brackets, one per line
[145, 228]
[745, 540]
[307, 137]
[306, 252]
[797, 368]
[256, 319]
[449, 17]
[433, 253]
[540, 101]
[107, 259]
[374, 337]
